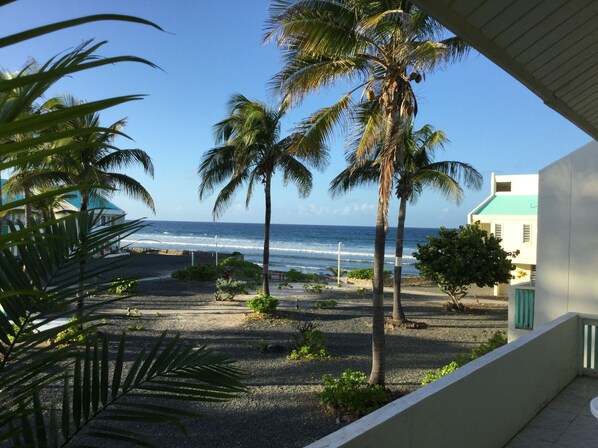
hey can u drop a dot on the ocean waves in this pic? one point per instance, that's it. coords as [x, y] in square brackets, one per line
[306, 248]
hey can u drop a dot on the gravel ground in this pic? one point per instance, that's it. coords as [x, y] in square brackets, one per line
[281, 408]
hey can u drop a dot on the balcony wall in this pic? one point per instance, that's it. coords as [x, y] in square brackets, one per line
[484, 403]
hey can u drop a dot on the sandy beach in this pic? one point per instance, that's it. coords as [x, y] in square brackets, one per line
[282, 408]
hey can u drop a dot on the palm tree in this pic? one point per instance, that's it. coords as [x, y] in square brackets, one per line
[251, 152]
[96, 388]
[88, 165]
[416, 171]
[93, 163]
[378, 49]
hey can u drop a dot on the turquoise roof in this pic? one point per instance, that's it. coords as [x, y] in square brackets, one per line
[94, 202]
[510, 205]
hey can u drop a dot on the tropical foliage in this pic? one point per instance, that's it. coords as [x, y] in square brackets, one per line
[413, 173]
[377, 49]
[52, 393]
[457, 258]
[251, 152]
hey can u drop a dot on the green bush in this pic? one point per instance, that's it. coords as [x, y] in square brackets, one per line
[238, 269]
[366, 274]
[314, 288]
[123, 286]
[227, 289]
[263, 304]
[433, 375]
[294, 275]
[311, 343]
[352, 393]
[199, 272]
[498, 339]
[73, 333]
[320, 304]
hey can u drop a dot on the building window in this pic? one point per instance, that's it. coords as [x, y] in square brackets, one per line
[533, 274]
[498, 230]
[527, 233]
[503, 186]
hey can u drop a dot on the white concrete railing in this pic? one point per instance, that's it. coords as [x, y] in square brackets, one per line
[483, 404]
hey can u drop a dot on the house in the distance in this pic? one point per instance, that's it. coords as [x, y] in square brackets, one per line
[110, 213]
[511, 213]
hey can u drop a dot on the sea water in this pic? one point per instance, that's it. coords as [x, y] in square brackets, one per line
[308, 248]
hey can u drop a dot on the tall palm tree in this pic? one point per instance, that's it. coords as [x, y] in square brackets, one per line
[251, 152]
[93, 165]
[415, 171]
[377, 48]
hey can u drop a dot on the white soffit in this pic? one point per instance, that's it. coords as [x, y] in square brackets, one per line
[551, 46]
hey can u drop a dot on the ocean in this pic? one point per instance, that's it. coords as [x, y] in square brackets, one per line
[308, 248]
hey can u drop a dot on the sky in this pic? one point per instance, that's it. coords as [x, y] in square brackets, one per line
[211, 49]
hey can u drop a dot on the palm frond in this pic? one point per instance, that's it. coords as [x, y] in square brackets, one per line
[101, 401]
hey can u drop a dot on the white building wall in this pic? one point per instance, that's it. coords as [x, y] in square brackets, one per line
[520, 183]
[567, 272]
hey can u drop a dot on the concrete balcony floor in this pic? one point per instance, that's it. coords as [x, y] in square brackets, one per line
[565, 422]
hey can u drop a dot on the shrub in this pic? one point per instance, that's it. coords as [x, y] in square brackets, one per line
[285, 284]
[72, 333]
[235, 268]
[498, 339]
[366, 274]
[314, 288]
[352, 393]
[199, 272]
[263, 304]
[294, 275]
[320, 304]
[457, 258]
[123, 286]
[25, 329]
[433, 375]
[227, 289]
[311, 343]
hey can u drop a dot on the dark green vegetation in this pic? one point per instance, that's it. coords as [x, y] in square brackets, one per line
[263, 304]
[352, 394]
[77, 391]
[231, 268]
[124, 286]
[311, 343]
[498, 339]
[456, 259]
[295, 276]
[366, 274]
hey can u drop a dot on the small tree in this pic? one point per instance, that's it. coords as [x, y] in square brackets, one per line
[456, 259]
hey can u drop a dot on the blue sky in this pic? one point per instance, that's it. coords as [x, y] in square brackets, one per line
[212, 49]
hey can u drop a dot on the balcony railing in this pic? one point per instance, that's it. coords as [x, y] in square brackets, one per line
[514, 382]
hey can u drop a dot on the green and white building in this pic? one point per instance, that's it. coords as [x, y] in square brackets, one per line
[511, 213]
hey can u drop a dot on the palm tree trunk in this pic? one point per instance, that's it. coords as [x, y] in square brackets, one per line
[266, 258]
[397, 308]
[377, 375]
[28, 213]
[1, 216]
[80, 292]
